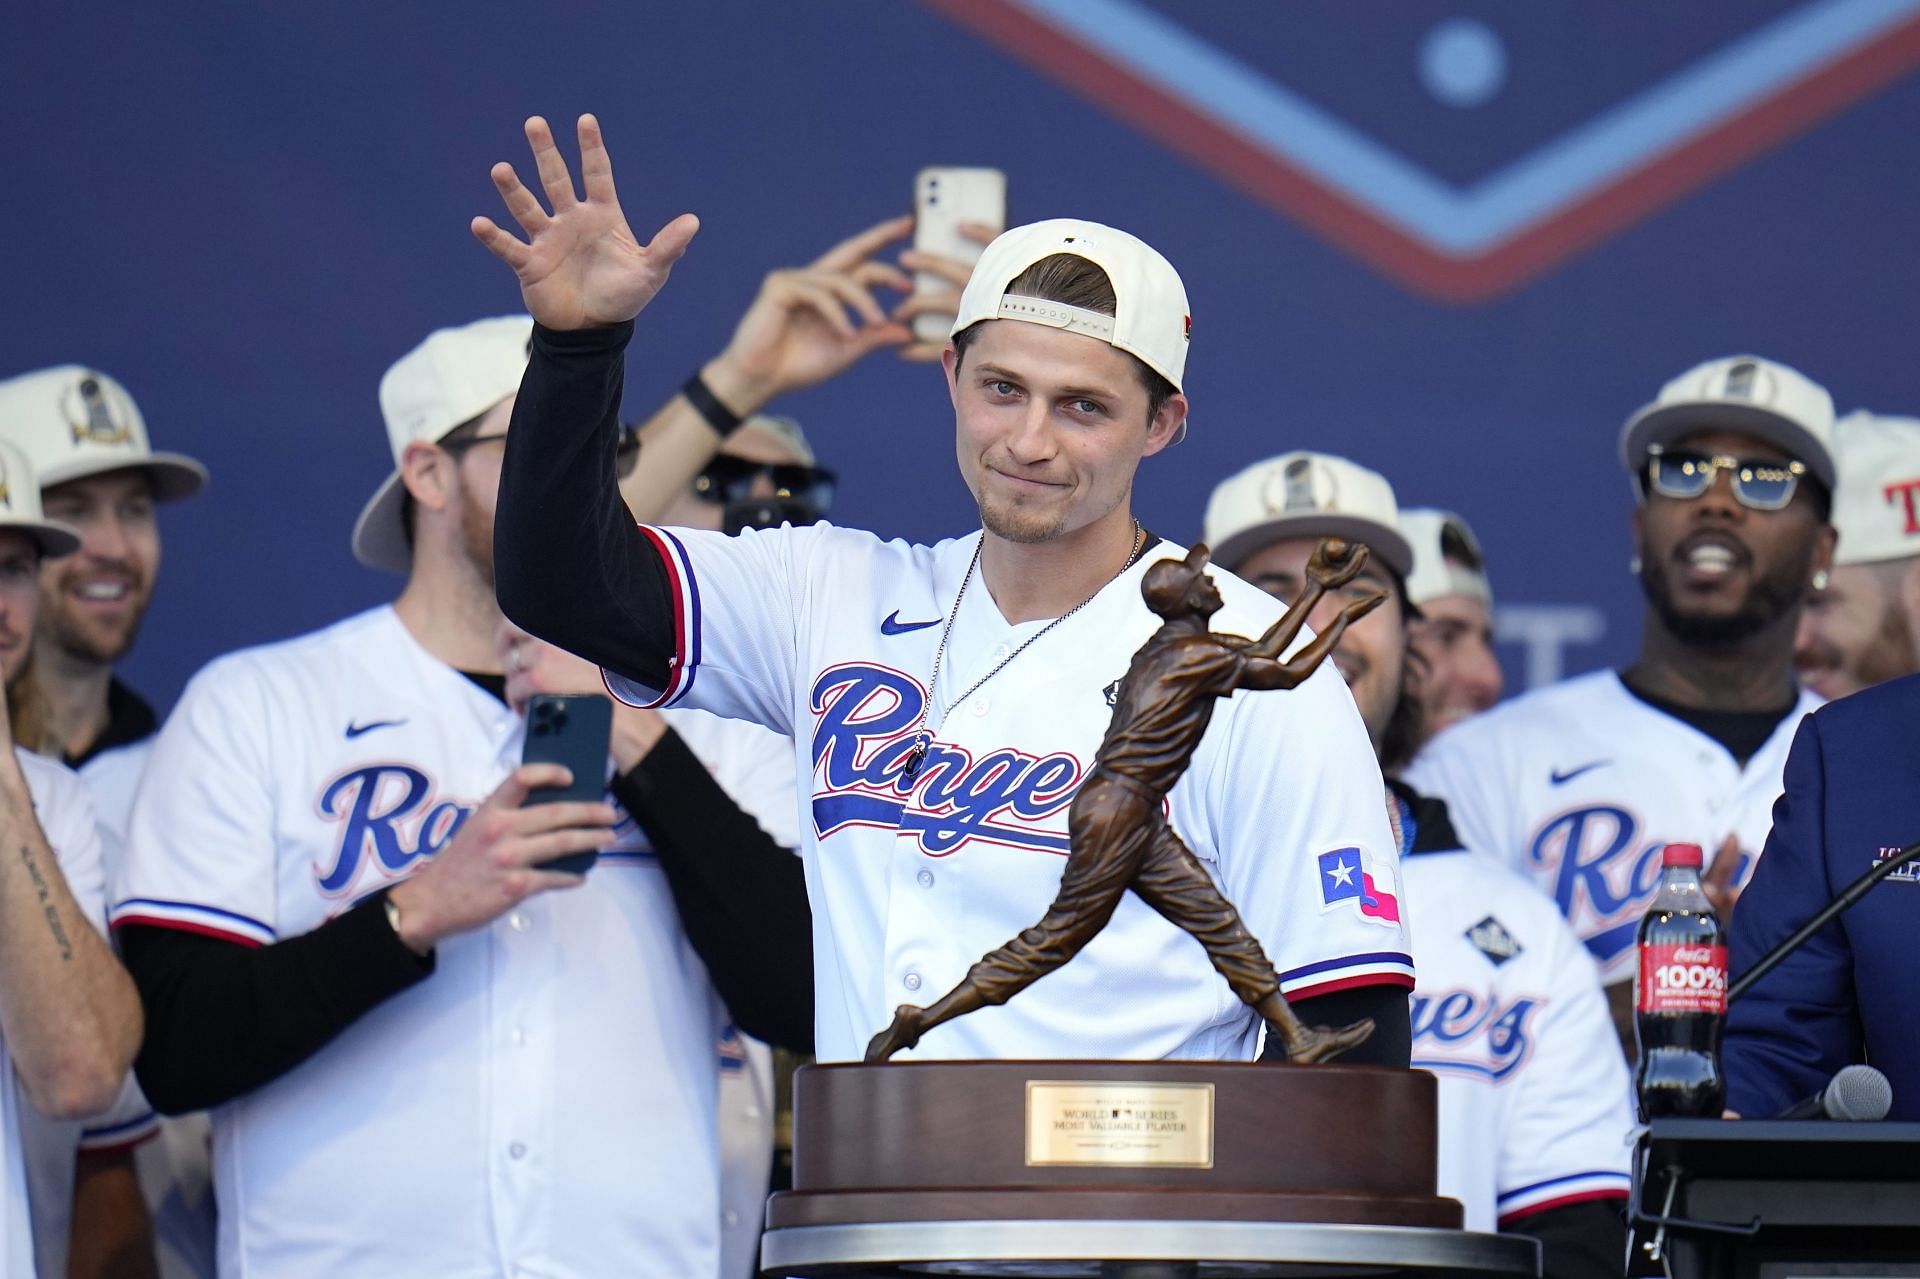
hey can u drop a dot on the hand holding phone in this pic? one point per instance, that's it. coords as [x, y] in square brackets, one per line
[573, 730]
[945, 201]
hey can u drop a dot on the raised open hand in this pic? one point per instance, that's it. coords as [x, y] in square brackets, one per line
[580, 265]
[810, 323]
[1335, 562]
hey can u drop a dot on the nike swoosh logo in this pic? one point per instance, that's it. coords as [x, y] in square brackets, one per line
[894, 626]
[355, 730]
[1560, 779]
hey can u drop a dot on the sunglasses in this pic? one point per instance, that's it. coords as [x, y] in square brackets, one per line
[1758, 484]
[732, 479]
[625, 454]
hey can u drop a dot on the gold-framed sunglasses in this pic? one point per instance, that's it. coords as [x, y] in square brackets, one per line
[1759, 484]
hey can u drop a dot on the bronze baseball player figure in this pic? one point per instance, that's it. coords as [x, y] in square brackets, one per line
[1119, 834]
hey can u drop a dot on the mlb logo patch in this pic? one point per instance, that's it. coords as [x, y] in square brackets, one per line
[1344, 877]
[1491, 938]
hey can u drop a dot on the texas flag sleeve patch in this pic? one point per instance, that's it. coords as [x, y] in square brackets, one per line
[1344, 877]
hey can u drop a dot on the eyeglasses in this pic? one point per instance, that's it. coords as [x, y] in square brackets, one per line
[625, 454]
[1760, 485]
[732, 479]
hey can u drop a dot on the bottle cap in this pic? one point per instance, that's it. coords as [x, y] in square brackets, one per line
[1682, 855]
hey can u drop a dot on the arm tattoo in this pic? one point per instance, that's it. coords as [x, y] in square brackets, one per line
[46, 903]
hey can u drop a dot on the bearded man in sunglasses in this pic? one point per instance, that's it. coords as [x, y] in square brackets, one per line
[1583, 783]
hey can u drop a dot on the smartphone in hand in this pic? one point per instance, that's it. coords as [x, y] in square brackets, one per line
[943, 198]
[574, 730]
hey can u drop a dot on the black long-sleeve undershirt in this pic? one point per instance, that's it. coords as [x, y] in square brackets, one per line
[742, 898]
[1579, 1241]
[224, 1018]
[569, 564]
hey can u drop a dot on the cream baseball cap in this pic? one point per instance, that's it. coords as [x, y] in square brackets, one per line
[72, 421]
[20, 506]
[454, 376]
[1151, 319]
[1447, 559]
[1303, 494]
[1876, 504]
[1744, 393]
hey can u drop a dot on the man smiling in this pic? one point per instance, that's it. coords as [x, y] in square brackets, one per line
[1583, 783]
[942, 699]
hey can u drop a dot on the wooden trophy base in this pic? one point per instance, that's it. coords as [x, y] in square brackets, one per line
[899, 1166]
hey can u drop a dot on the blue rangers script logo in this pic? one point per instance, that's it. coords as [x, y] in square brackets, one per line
[1464, 1032]
[389, 816]
[1604, 872]
[865, 717]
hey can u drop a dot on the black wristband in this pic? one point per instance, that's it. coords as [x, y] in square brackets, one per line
[718, 416]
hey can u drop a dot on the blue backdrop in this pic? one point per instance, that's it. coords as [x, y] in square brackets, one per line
[1459, 242]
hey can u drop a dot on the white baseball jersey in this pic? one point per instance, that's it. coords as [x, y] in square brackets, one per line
[755, 767]
[1581, 784]
[542, 1103]
[66, 819]
[828, 635]
[1509, 1015]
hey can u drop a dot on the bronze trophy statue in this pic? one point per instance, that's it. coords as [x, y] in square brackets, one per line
[1118, 832]
[1133, 1169]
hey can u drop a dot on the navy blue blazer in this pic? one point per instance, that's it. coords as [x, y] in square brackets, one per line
[1852, 993]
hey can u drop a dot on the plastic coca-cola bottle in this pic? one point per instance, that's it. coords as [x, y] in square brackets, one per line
[1680, 995]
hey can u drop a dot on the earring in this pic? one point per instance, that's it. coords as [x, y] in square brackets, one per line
[1633, 566]
[1819, 579]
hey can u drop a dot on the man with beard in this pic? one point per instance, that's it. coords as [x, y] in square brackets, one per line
[87, 441]
[1507, 1010]
[1863, 626]
[425, 1052]
[1452, 636]
[1581, 784]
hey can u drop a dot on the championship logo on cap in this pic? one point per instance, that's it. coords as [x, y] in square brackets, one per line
[6, 492]
[1299, 479]
[89, 415]
[1740, 382]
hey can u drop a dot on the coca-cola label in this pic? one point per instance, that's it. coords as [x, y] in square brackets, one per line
[1683, 979]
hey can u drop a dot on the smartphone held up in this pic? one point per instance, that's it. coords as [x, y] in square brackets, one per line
[945, 198]
[573, 730]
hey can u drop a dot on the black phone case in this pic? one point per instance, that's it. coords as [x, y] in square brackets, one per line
[572, 729]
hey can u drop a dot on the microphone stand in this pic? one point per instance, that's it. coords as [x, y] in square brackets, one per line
[1847, 896]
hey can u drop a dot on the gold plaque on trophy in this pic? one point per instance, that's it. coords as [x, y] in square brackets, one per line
[1146, 1125]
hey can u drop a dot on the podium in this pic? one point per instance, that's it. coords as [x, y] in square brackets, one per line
[1778, 1199]
[1120, 1170]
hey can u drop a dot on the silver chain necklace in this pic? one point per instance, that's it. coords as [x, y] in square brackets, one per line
[923, 734]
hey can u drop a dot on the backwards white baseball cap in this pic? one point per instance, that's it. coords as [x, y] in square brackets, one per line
[20, 506]
[1151, 319]
[1447, 559]
[1744, 393]
[449, 379]
[1876, 504]
[72, 422]
[1305, 494]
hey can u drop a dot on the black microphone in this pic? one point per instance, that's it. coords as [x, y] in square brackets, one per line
[1855, 1092]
